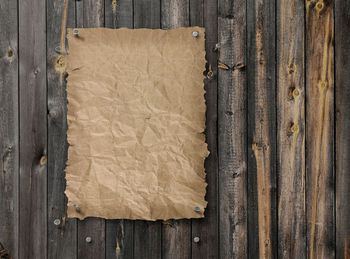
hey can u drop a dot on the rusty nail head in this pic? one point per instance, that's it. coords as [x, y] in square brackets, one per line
[76, 32]
[195, 34]
[196, 239]
[197, 209]
[57, 222]
[88, 239]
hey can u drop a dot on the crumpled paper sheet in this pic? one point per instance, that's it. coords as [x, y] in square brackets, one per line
[136, 117]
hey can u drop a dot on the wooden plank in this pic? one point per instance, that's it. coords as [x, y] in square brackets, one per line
[9, 126]
[119, 233]
[93, 16]
[232, 129]
[342, 63]
[147, 234]
[147, 14]
[33, 130]
[119, 13]
[176, 234]
[319, 130]
[291, 129]
[62, 233]
[261, 129]
[204, 13]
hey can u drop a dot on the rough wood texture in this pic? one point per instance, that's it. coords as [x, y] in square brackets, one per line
[9, 126]
[261, 129]
[291, 129]
[147, 234]
[319, 80]
[176, 234]
[93, 16]
[33, 130]
[62, 237]
[207, 229]
[119, 13]
[232, 135]
[342, 63]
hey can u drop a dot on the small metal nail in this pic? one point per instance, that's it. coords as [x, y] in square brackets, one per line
[197, 209]
[76, 207]
[196, 239]
[75, 32]
[88, 239]
[195, 34]
[58, 50]
[57, 222]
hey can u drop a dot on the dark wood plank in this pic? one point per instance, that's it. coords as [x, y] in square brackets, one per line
[62, 232]
[176, 234]
[33, 130]
[319, 80]
[9, 126]
[232, 135]
[204, 13]
[291, 129]
[147, 14]
[342, 63]
[119, 233]
[93, 16]
[262, 242]
[147, 234]
[119, 13]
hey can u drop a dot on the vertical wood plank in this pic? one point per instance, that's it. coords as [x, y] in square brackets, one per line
[204, 13]
[9, 126]
[147, 234]
[119, 233]
[261, 129]
[232, 129]
[90, 13]
[319, 130]
[62, 235]
[291, 129]
[342, 63]
[176, 234]
[33, 130]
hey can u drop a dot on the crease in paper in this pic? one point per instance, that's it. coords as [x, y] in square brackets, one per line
[136, 117]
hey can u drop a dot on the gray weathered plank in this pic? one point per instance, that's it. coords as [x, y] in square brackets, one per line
[62, 238]
[119, 13]
[92, 12]
[319, 79]
[119, 233]
[176, 234]
[262, 241]
[232, 129]
[342, 63]
[33, 130]
[147, 234]
[204, 13]
[9, 126]
[291, 129]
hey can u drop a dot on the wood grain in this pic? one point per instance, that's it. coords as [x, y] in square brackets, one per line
[319, 80]
[291, 129]
[232, 135]
[9, 126]
[342, 68]
[147, 234]
[62, 241]
[119, 13]
[33, 130]
[261, 129]
[93, 16]
[204, 13]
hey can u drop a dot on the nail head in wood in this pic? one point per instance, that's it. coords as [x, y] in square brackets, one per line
[88, 239]
[196, 239]
[57, 222]
[76, 207]
[197, 209]
[76, 32]
[195, 34]
[58, 49]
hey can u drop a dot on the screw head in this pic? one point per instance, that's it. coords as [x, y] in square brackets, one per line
[197, 209]
[195, 34]
[196, 239]
[88, 239]
[57, 222]
[75, 32]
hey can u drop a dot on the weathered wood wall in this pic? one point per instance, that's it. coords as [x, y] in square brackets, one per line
[278, 128]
